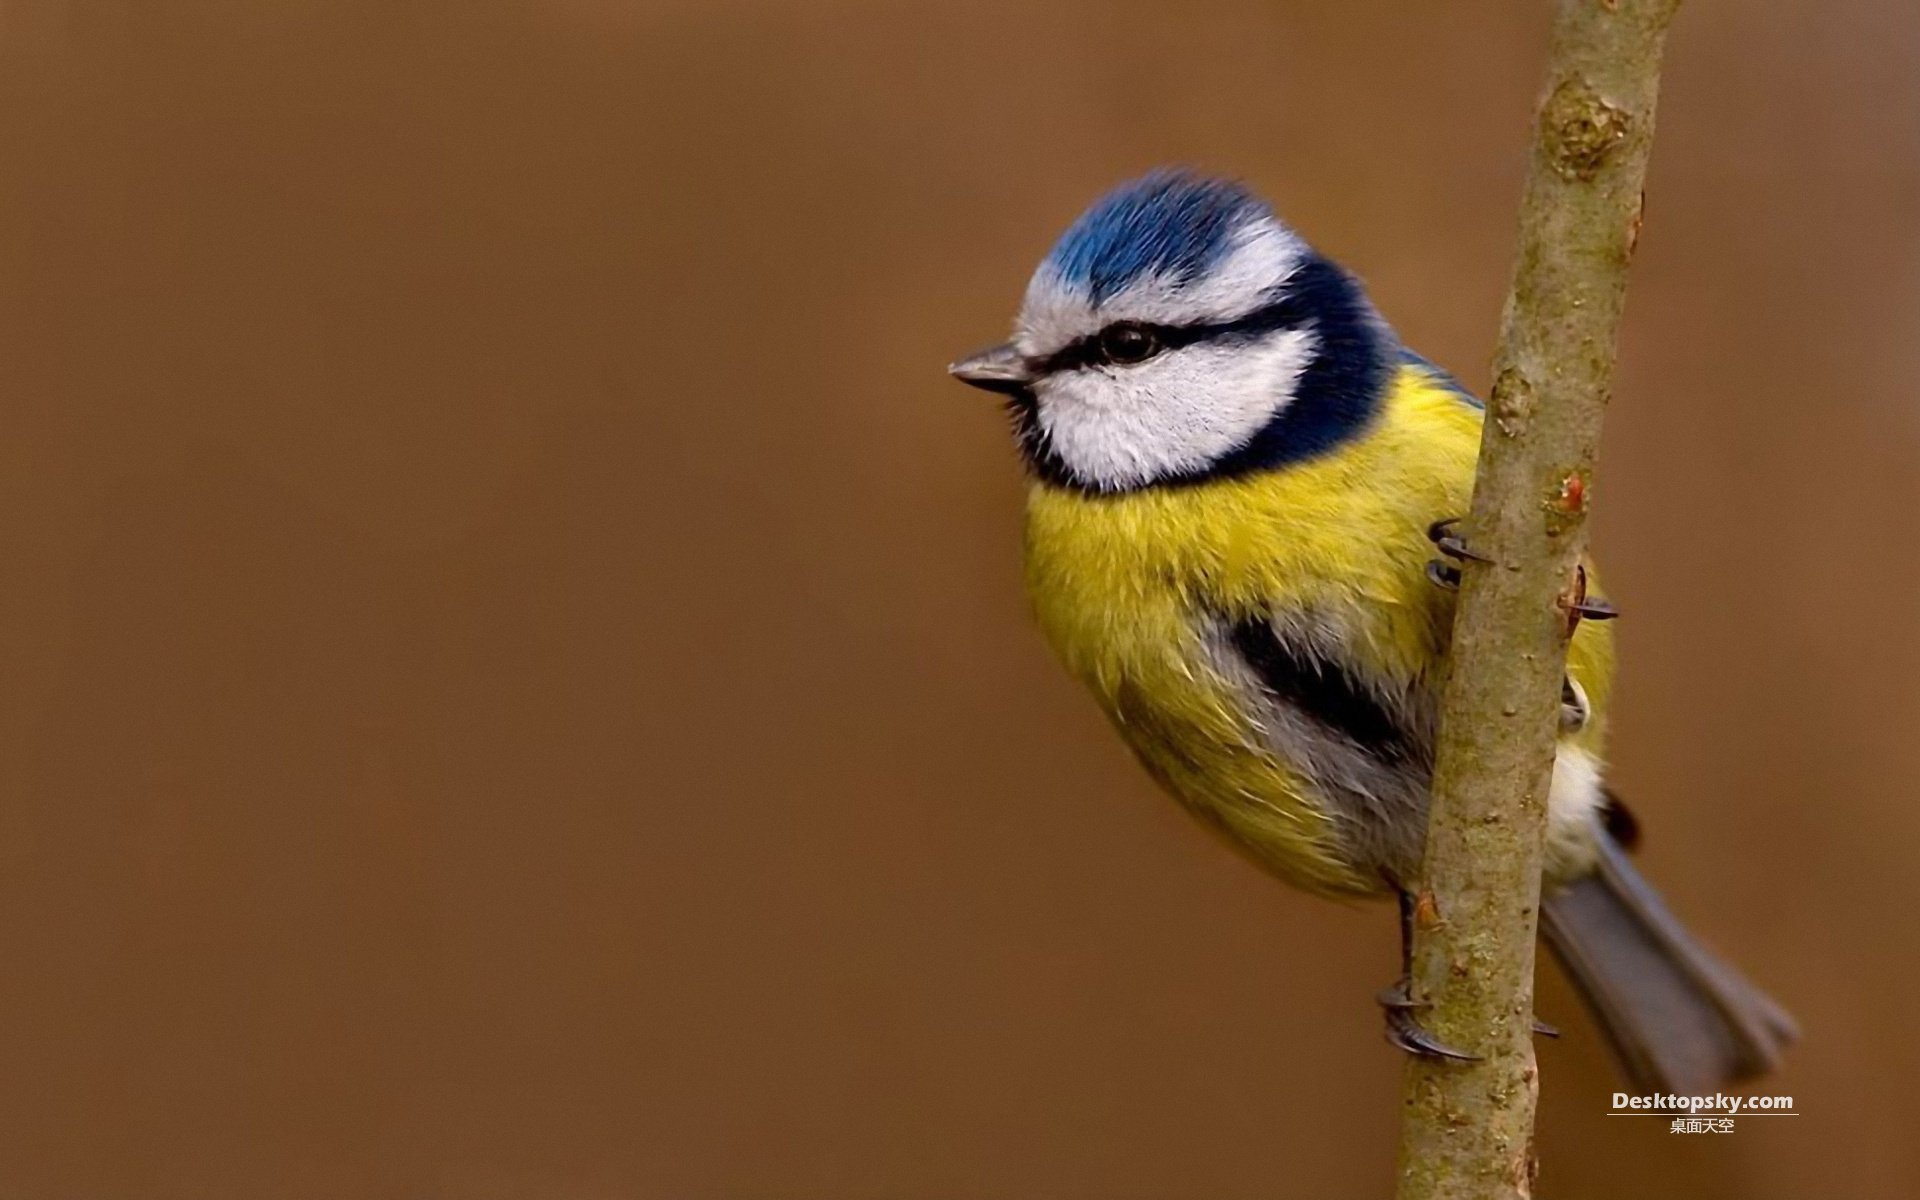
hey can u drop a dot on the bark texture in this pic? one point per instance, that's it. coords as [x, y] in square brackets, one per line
[1468, 1128]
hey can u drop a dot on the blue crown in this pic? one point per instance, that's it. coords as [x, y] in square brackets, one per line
[1171, 222]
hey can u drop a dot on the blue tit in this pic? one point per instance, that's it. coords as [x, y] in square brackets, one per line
[1238, 475]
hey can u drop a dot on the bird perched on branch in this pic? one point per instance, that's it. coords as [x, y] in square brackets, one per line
[1240, 481]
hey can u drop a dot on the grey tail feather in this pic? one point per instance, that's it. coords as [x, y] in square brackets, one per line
[1679, 1018]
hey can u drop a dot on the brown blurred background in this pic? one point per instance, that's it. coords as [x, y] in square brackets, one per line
[515, 676]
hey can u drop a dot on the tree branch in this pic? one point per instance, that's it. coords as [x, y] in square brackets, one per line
[1468, 1128]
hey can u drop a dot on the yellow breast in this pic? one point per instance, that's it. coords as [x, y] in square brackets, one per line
[1121, 585]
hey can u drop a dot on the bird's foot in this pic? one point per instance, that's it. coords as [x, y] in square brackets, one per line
[1405, 1031]
[1580, 605]
[1595, 609]
[1441, 575]
[1441, 534]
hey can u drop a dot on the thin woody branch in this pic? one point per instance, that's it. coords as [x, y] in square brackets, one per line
[1468, 1127]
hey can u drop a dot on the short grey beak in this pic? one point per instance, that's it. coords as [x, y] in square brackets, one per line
[1000, 369]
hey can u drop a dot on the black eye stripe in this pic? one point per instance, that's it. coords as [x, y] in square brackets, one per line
[1336, 397]
[1088, 351]
[1091, 350]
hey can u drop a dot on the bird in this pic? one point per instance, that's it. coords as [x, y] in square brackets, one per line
[1239, 536]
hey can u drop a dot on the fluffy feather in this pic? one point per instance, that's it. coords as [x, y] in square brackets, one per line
[1133, 590]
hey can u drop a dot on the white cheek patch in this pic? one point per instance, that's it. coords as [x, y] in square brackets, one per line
[1264, 254]
[1177, 413]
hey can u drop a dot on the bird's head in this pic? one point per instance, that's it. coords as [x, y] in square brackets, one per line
[1180, 332]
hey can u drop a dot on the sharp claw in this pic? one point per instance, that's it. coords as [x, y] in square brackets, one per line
[1579, 604]
[1545, 1030]
[1407, 1034]
[1441, 534]
[1442, 575]
[1453, 547]
[1404, 1031]
[1397, 999]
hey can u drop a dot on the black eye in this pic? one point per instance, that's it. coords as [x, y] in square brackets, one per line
[1127, 343]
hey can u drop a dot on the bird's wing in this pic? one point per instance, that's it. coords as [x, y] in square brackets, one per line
[1442, 376]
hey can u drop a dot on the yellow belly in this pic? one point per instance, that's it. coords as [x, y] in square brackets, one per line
[1121, 585]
